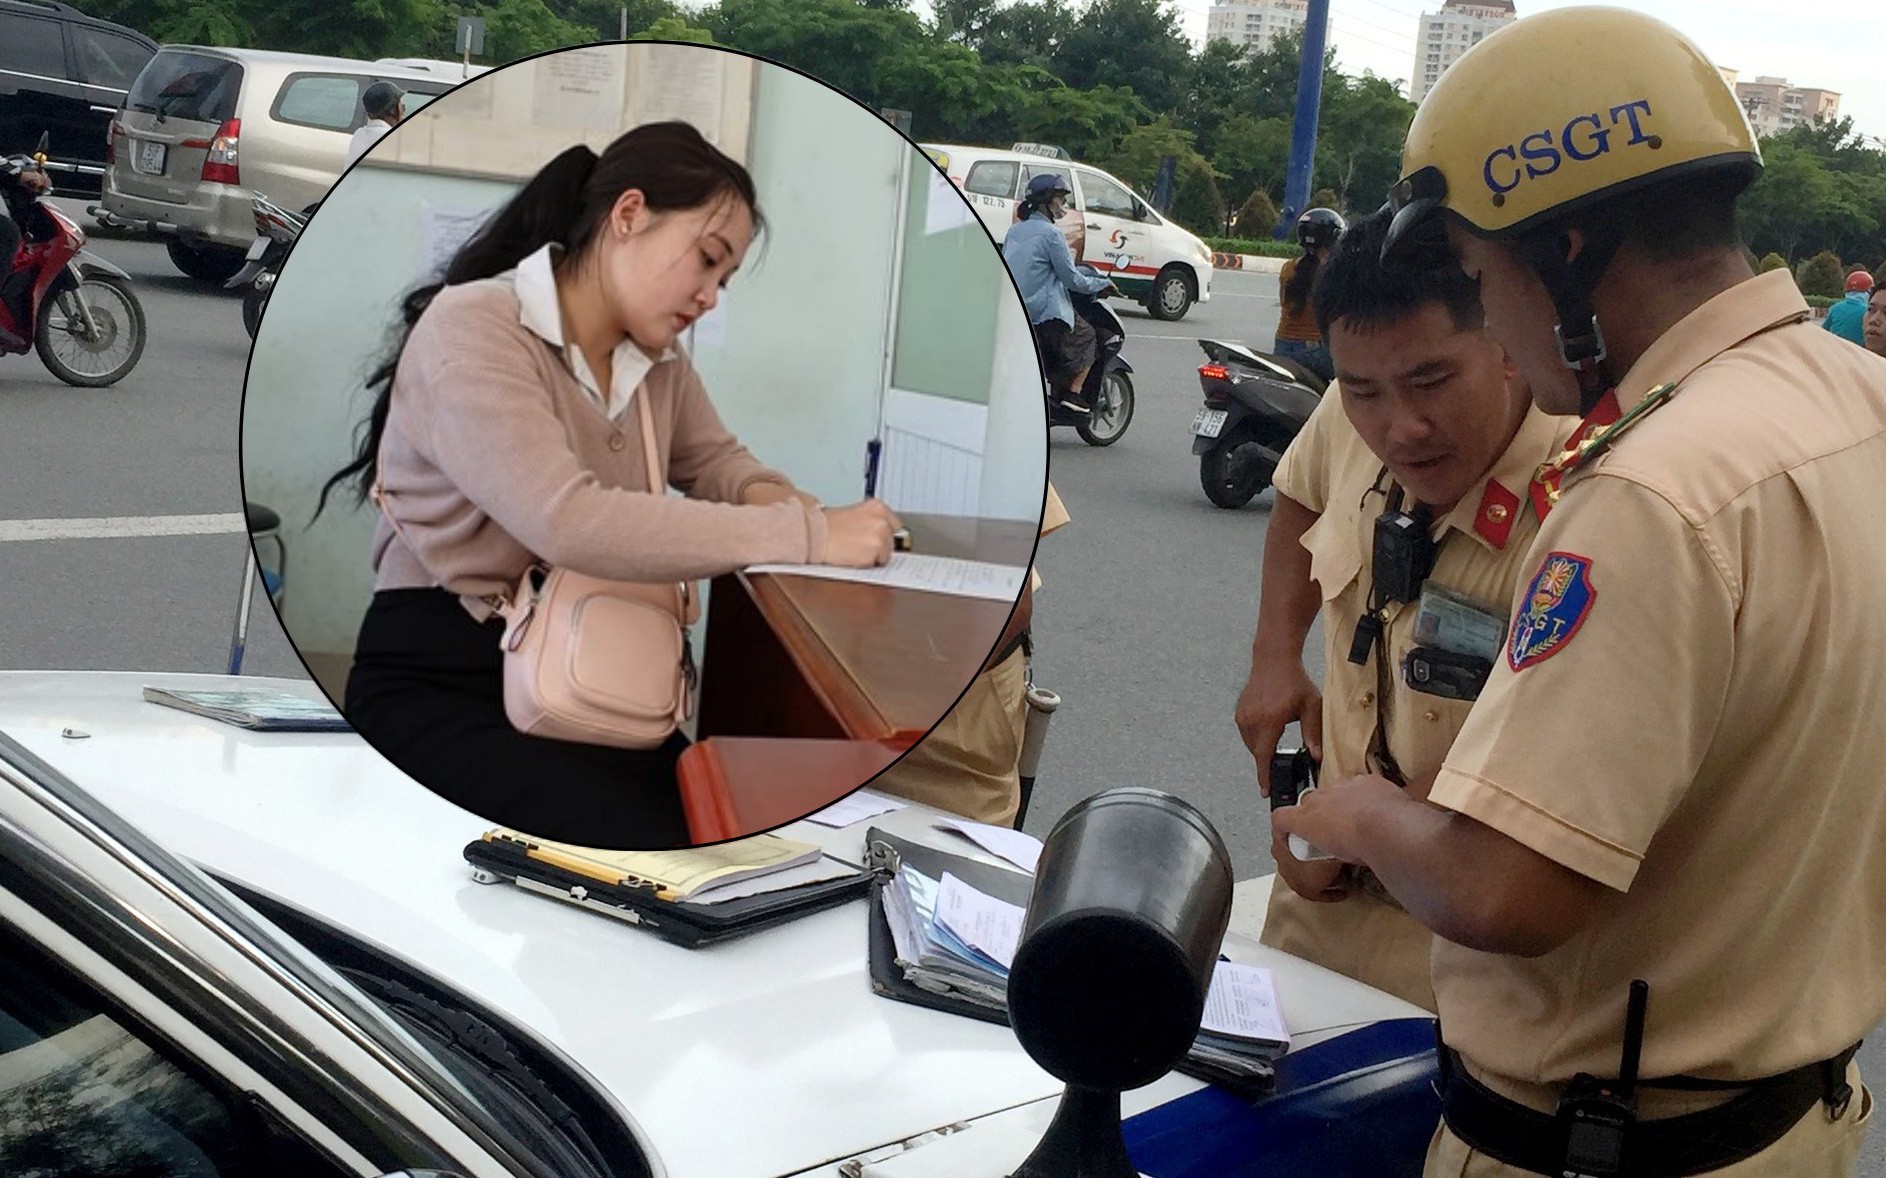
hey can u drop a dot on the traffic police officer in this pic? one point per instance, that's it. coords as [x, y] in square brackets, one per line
[1658, 847]
[1429, 421]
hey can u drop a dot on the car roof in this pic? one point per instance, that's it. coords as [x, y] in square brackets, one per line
[67, 12]
[782, 1025]
[304, 61]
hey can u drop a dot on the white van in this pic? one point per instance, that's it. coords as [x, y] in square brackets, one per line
[1166, 268]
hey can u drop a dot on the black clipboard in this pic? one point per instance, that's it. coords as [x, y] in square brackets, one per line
[688, 925]
[886, 852]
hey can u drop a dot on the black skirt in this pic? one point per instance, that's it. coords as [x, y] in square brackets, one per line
[427, 691]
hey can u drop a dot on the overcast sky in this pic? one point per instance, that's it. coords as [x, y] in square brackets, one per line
[1830, 44]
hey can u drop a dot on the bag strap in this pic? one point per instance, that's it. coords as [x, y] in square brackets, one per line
[658, 479]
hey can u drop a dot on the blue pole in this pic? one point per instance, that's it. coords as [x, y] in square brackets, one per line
[1303, 128]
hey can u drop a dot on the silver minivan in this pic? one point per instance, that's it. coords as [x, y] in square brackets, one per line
[204, 129]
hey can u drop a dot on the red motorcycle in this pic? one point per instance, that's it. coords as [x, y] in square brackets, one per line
[74, 307]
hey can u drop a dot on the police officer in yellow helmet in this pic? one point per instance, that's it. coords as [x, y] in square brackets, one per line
[1655, 856]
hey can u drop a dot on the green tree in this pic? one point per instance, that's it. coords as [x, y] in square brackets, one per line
[1136, 160]
[1026, 33]
[349, 28]
[674, 28]
[1822, 275]
[840, 42]
[1133, 43]
[1257, 217]
[1772, 262]
[1251, 152]
[1358, 150]
[1196, 201]
[1326, 198]
[603, 18]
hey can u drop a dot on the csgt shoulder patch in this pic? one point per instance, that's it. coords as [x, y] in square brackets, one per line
[1556, 605]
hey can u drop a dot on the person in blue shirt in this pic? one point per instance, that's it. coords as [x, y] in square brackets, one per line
[1845, 317]
[1043, 266]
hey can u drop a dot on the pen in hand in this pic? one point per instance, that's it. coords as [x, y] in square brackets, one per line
[872, 450]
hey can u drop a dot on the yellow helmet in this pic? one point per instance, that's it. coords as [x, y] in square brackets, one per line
[1563, 108]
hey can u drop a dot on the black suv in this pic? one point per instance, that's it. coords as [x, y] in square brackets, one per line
[66, 73]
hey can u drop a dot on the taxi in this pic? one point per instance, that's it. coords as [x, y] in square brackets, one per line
[232, 952]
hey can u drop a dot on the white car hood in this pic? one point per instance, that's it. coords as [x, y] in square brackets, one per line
[763, 1056]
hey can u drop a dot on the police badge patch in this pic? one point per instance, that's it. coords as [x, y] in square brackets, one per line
[1555, 607]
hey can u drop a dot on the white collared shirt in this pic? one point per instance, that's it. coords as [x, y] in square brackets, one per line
[539, 310]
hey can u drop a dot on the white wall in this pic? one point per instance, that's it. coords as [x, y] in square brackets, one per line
[797, 374]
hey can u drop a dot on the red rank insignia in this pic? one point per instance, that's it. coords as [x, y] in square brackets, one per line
[1494, 520]
[1545, 484]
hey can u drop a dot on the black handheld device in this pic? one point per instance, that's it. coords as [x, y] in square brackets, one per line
[1445, 673]
[1292, 774]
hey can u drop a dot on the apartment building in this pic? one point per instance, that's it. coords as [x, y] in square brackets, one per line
[1773, 105]
[1254, 23]
[1445, 35]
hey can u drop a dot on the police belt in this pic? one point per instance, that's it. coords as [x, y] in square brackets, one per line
[1671, 1147]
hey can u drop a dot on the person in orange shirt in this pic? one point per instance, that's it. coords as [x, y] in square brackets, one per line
[1298, 337]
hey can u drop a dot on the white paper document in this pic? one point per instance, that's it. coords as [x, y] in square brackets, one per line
[930, 574]
[984, 923]
[855, 807]
[1023, 850]
[944, 208]
[1242, 1003]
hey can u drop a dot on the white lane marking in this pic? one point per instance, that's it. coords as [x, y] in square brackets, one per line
[120, 526]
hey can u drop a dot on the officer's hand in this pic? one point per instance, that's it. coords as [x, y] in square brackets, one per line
[36, 182]
[1278, 692]
[1320, 880]
[1331, 817]
[859, 536]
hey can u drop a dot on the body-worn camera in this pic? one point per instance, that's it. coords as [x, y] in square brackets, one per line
[1292, 773]
[1433, 671]
[1404, 554]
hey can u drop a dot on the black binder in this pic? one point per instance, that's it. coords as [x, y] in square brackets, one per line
[885, 853]
[688, 925]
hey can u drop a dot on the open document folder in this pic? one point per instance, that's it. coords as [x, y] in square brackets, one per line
[944, 930]
[692, 897]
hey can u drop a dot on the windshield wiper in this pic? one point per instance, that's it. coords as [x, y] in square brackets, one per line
[483, 1043]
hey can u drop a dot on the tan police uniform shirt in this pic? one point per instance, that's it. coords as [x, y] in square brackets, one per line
[1691, 710]
[969, 764]
[1483, 541]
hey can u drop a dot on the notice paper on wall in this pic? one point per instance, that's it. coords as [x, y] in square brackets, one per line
[929, 574]
[945, 209]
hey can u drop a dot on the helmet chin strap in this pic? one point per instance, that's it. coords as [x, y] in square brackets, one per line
[1581, 340]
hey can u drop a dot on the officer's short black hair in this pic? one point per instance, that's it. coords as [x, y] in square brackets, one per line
[1355, 284]
[1674, 218]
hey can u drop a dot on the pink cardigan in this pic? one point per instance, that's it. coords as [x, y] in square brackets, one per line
[495, 456]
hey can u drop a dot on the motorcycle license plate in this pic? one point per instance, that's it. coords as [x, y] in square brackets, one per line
[1208, 422]
[257, 248]
[149, 157]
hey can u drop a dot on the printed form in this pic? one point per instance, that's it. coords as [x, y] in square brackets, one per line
[928, 574]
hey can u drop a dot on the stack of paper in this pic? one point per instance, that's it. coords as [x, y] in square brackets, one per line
[697, 875]
[953, 939]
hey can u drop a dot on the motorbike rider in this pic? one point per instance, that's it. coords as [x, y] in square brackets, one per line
[26, 182]
[1298, 337]
[1043, 266]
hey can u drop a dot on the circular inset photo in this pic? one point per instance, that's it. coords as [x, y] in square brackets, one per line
[645, 447]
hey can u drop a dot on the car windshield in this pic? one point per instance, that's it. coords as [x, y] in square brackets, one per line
[552, 1110]
[187, 86]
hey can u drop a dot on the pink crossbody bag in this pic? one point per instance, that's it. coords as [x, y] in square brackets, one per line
[593, 660]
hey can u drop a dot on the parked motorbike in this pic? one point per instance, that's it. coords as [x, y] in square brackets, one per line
[1108, 389]
[76, 309]
[1255, 404]
[276, 231]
